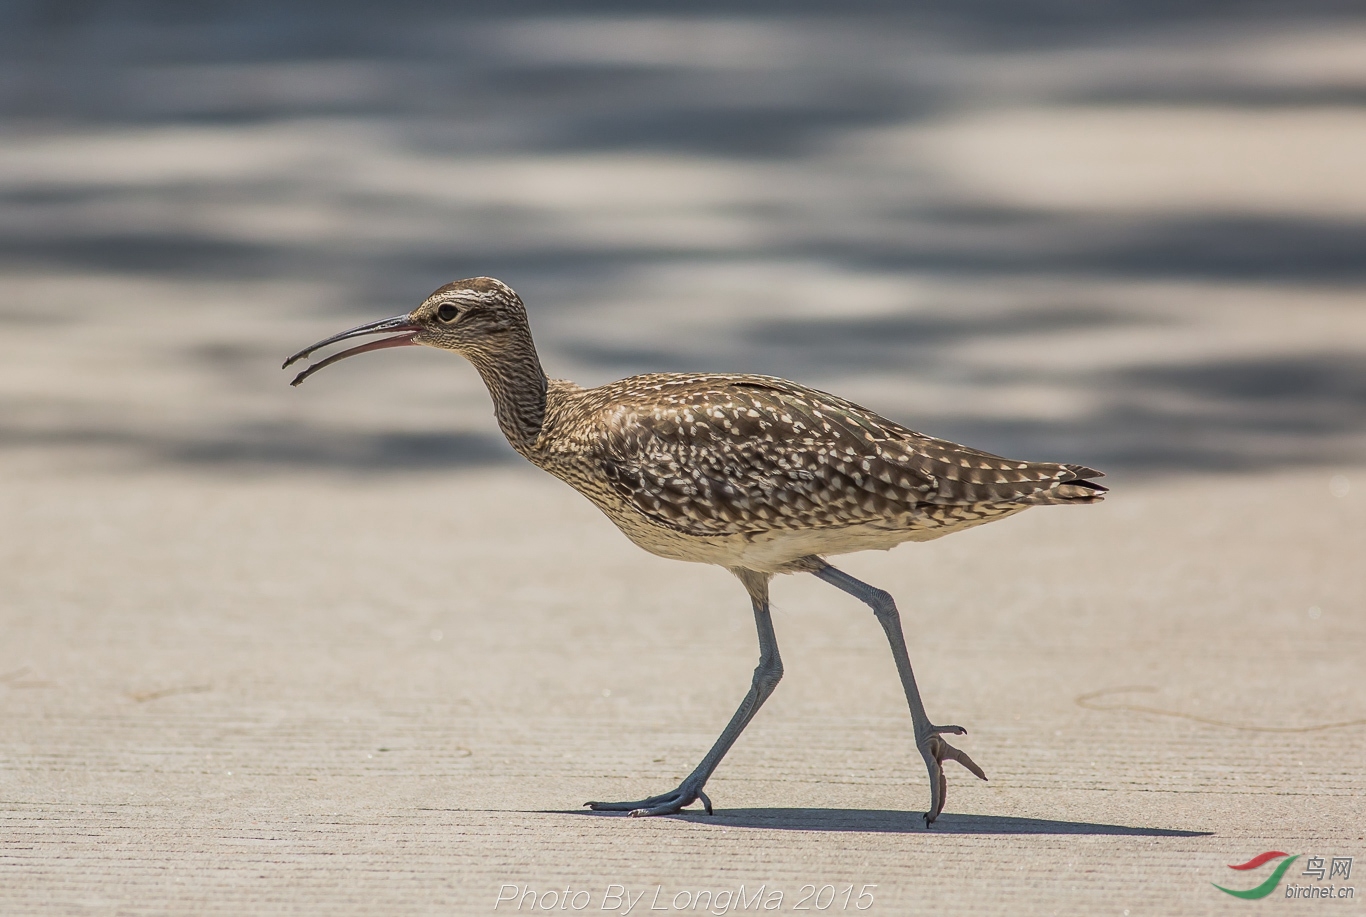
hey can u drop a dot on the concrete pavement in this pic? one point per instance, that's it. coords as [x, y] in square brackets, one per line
[333, 650]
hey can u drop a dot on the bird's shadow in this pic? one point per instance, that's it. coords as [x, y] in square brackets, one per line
[887, 821]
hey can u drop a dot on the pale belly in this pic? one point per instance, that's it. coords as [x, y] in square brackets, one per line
[775, 551]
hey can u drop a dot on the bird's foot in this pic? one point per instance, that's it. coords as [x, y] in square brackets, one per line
[670, 803]
[935, 750]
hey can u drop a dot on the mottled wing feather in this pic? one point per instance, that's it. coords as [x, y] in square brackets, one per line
[725, 455]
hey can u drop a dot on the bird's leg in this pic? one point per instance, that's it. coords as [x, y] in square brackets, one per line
[928, 737]
[766, 676]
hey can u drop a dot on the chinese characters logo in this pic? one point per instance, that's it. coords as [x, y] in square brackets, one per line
[1316, 867]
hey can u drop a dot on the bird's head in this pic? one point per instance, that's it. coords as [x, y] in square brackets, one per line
[479, 318]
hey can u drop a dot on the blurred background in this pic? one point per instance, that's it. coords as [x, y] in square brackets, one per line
[1128, 234]
[272, 646]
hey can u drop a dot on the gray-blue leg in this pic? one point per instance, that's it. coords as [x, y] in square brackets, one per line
[766, 677]
[927, 735]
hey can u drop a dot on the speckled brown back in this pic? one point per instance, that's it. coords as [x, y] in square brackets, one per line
[721, 454]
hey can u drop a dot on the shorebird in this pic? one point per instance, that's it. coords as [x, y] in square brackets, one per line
[753, 473]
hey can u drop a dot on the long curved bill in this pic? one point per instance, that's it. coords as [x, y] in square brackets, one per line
[400, 323]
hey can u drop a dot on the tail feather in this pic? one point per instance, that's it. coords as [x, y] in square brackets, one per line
[1076, 490]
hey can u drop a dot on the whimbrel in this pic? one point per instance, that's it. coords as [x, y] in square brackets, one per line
[754, 473]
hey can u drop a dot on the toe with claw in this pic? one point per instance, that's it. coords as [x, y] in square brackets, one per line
[670, 803]
[935, 750]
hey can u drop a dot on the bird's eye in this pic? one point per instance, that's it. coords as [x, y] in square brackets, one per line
[447, 312]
